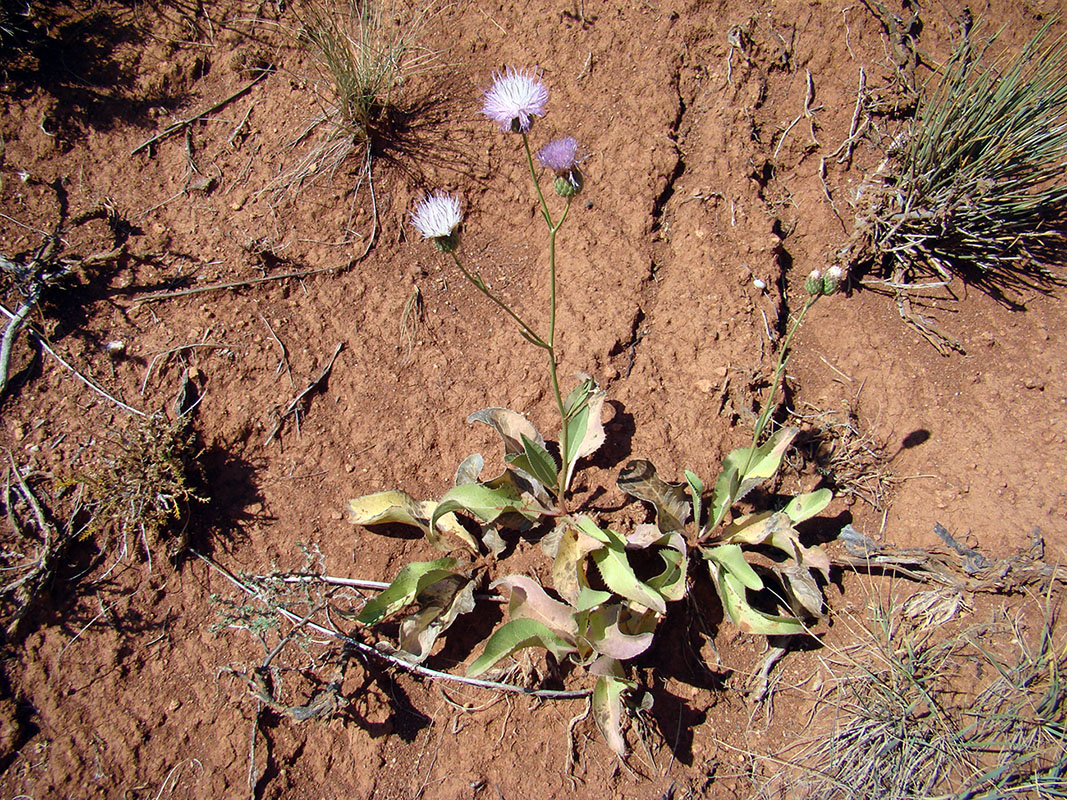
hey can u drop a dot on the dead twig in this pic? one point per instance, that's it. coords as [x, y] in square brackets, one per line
[151, 298]
[45, 346]
[181, 124]
[296, 402]
[965, 569]
[285, 353]
[26, 589]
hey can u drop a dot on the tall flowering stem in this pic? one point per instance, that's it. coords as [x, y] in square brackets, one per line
[553, 363]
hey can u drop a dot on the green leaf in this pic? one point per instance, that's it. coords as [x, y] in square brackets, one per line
[745, 469]
[639, 479]
[731, 558]
[671, 582]
[591, 598]
[806, 506]
[411, 580]
[590, 528]
[483, 502]
[578, 395]
[607, 712]
[619, 576]
[538, 462]
[696, 487]
[516, 635]
[585, 430]
[747, 618]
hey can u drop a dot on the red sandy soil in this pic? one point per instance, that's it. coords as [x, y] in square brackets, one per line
[120, 687]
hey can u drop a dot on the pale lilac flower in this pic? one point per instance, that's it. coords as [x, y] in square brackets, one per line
[559, 155]
[437, 218]
[514, 98]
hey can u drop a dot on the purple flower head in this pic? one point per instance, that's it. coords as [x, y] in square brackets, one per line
[514, 98]
[437, 218]
[559, 155]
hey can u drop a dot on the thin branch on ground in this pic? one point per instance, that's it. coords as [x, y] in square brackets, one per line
[296, 402]
[45, 346]
[181, 124]
[396, 661]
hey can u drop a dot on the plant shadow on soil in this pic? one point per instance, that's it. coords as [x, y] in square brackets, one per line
[74, 62]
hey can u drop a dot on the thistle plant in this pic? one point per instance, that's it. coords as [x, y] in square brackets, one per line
[609, 589]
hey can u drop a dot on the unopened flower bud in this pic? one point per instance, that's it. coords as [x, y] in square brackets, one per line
[831, 281]
[813, 284]
[569, 184]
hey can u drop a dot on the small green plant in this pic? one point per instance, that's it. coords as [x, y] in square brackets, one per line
[143, 486]
[610, 588]
[974, 189]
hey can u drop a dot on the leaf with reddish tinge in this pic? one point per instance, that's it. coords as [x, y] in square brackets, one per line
[606, 637]
[530, 601]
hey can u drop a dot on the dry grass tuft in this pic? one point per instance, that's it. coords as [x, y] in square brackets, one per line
[918, 714]
[143, 486]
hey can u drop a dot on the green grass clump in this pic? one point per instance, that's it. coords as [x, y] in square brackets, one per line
[979, 189]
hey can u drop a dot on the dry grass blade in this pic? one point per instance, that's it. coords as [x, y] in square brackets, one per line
[921, 715]
[367, 53]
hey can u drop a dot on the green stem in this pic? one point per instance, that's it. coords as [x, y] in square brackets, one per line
[531, 335]
[779, 371]
[533, 174]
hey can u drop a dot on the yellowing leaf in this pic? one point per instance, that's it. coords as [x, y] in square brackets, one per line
[607, 712]
[397, 507]
[439, 605]
[511, 426]
[568, 568]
